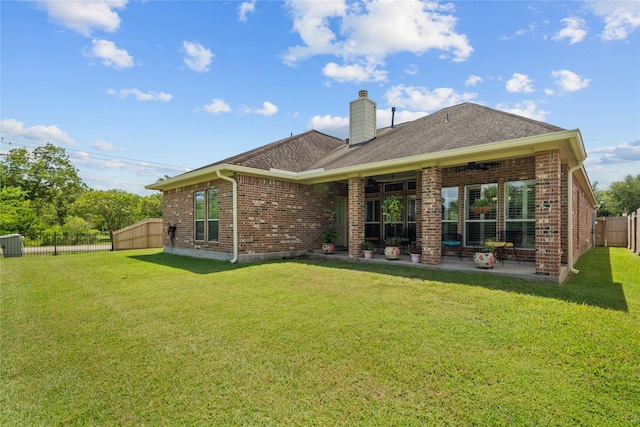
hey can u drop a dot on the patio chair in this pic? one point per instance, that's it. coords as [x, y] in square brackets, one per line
[452, 240]
[506, 240]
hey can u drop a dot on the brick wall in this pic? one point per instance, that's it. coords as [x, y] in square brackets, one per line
[431, 215]
[273, 216]
[356, 216]
[548, 213]
[583, 212]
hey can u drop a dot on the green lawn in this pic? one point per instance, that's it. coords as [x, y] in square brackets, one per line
[145, 338]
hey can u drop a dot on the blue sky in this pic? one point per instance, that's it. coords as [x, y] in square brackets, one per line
[138, 90]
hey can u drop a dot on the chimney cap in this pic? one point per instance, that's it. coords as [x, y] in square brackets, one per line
[363, 94]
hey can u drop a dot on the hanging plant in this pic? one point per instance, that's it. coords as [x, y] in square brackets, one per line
[392, 209]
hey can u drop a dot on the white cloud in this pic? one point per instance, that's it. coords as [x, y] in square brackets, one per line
[519, 83]
[268, 109]
[111, 55]
[84, 16]
[331, 125]
[569, 81]
[366, 32]
[139, 95]
[526, 109]
[573, 30]
[53, 133]
[472, 80]
[354, 73]
[623, 153]
[217, 106]
[420, 98]
[621, 18]
[103, 146]
[198, 58]
[246, 7]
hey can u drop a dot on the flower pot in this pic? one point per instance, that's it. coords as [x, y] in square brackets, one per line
[368, 254]
[328, 215]
[415, 258]
[484, 259]
[392, 252]
[328, 248]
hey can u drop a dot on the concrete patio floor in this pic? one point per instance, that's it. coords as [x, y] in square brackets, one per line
[523, 270]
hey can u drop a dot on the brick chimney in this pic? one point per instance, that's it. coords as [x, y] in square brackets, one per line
[362, 119]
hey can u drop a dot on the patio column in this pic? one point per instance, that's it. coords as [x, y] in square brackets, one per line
[431, 215]
[548, 213]
[356, 216]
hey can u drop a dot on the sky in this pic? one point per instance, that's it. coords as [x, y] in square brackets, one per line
[137, 90]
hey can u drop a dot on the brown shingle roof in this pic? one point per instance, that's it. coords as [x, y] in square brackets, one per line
[296, 154]
[460, 126]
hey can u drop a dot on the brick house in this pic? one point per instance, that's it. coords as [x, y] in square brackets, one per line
[269, 202]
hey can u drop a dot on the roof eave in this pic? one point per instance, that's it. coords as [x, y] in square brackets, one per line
[570, 142]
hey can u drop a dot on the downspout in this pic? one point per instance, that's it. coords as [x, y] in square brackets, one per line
[235, 214]
[570, 209]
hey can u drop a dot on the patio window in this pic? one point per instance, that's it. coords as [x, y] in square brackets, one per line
[372, 219]
[479, 227]
[519, 212]
[450, 210]
[212, 215]
[411, 218]
[199, 215]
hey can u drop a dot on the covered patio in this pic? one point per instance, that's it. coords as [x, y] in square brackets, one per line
[522, 270]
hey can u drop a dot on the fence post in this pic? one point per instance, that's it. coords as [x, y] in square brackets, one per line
[111, 238]
[55, 243]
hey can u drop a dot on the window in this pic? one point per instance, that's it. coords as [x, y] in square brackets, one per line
[212, 215]
[199, 215]
[450, 210]
[520, 212]
[479, 227]
[372, 219]
[411, 218]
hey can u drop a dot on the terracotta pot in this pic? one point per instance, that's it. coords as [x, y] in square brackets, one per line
[328, 248]
[392, 252]
[484, 259]
[415, 258]
[368, 254]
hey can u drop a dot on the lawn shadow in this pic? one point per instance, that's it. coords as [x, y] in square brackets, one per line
[187, 263]
[593, 286]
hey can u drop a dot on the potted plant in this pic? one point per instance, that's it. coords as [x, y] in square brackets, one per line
[392, 212]
[392, 247]
[367, 249]
[481, 206]
[416, 253]
[329, 214]
[328, 239]
[485, 258]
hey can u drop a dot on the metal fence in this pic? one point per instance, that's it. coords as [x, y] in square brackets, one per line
[59, 243]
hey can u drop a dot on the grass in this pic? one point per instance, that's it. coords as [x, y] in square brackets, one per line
[145, 338]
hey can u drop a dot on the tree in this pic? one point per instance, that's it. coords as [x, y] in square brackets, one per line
[16, 215]
[604, 199]
[625, 195]
[110, 209]
[47, 177]
[151, 206]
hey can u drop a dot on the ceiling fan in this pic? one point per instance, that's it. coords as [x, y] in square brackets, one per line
[478, 166]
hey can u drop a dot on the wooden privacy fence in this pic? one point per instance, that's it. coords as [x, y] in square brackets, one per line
[611, 231]
[141, 235]
[633, 231]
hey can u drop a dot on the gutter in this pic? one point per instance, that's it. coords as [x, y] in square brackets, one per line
[570, 221]
[235, 214]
